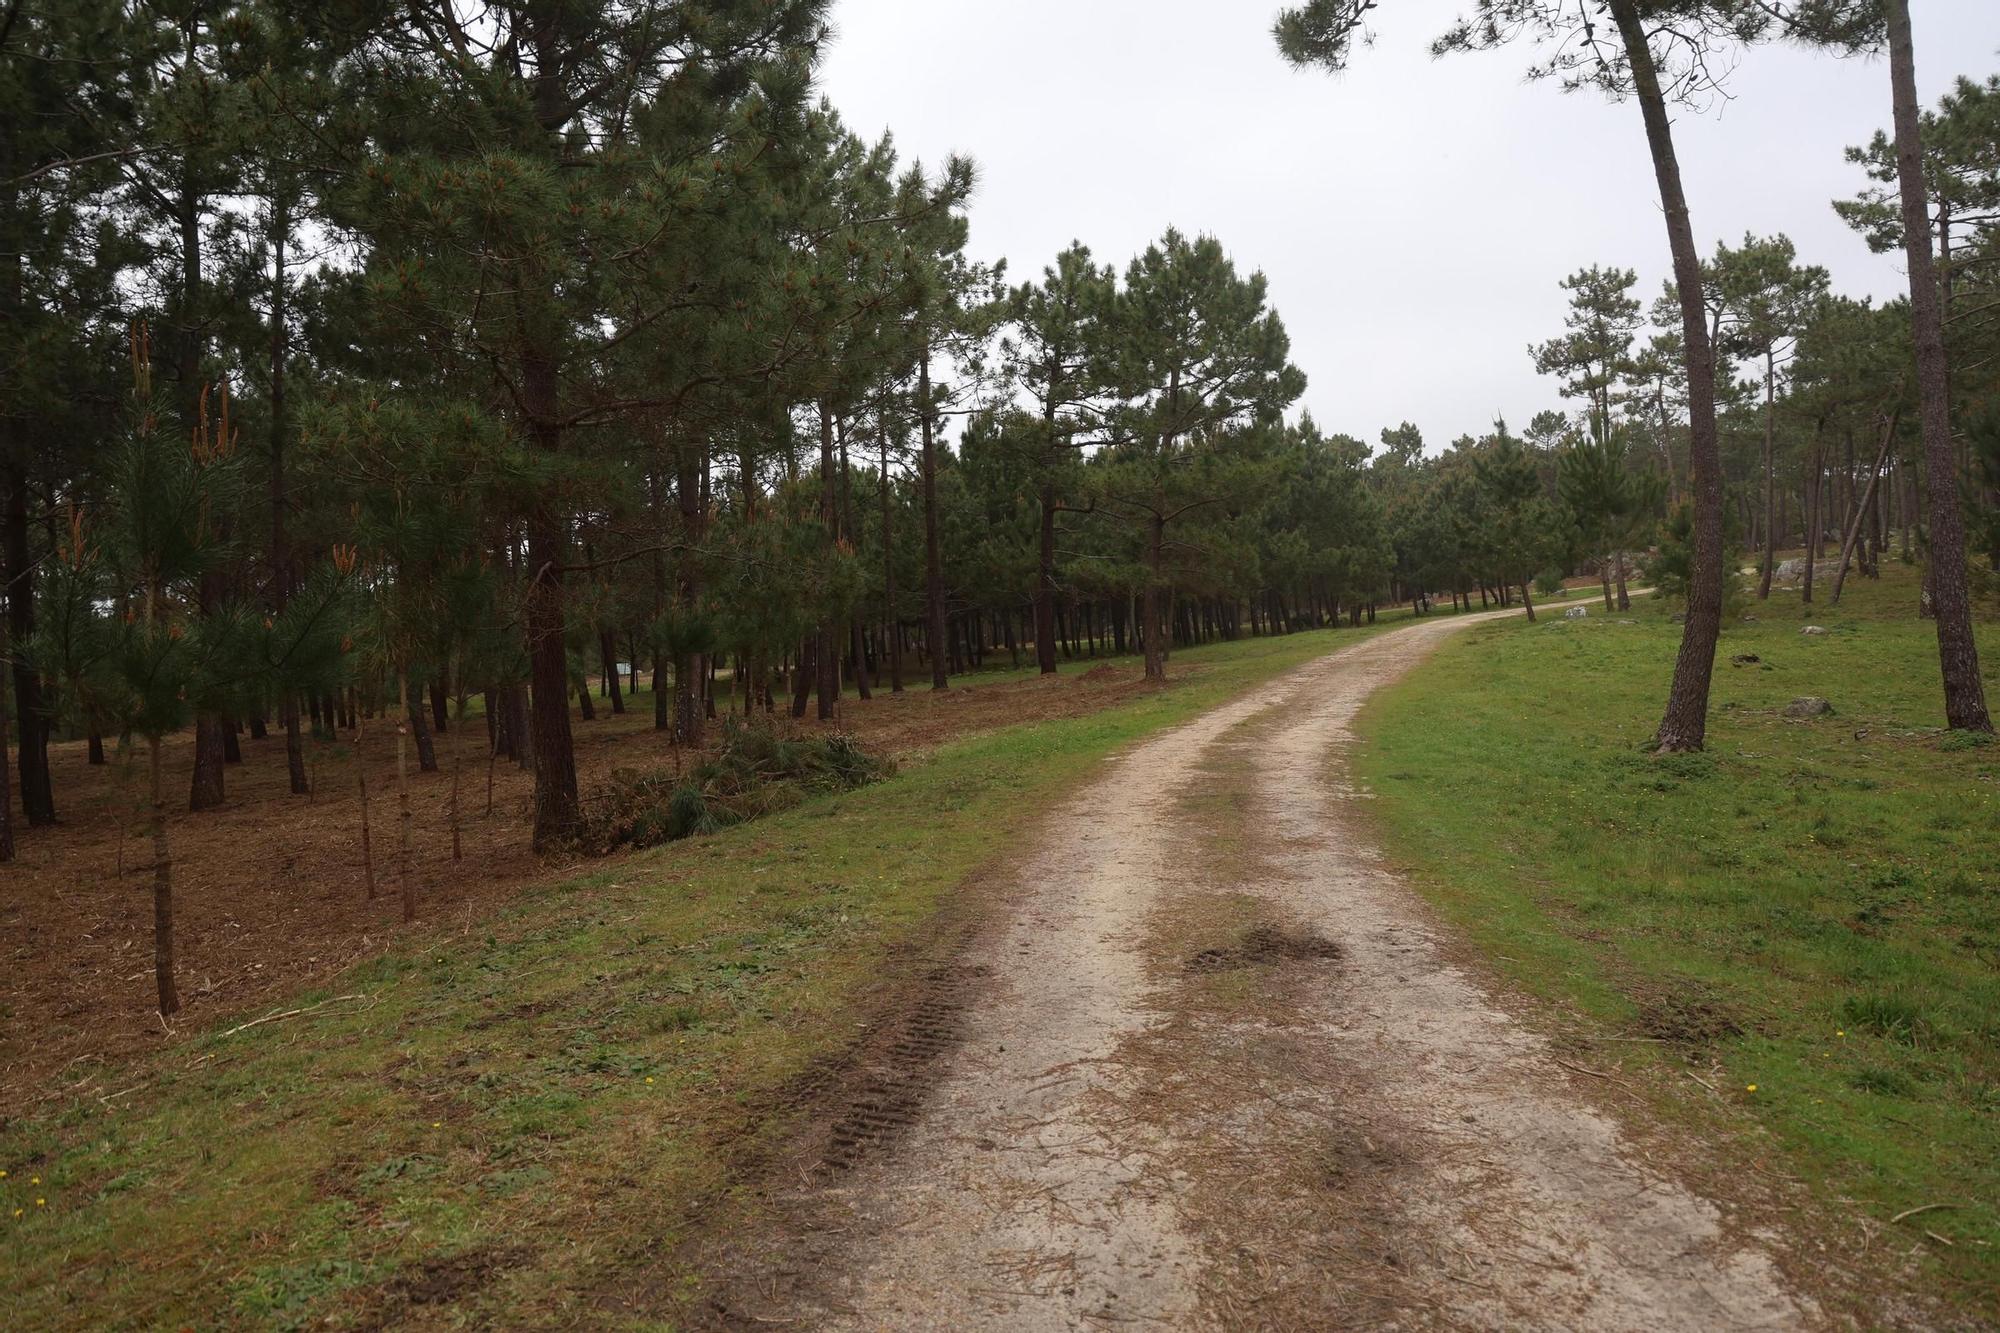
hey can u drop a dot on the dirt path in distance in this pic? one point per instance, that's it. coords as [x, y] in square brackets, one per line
[1219, 1071]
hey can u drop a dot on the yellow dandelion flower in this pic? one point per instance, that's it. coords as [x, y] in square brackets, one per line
[40, 1202]
[34, 1180]
[649, 1078]
[1839, 1032]
[1750, 1087]
[437, 1124]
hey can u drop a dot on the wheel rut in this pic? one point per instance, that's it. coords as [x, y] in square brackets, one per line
[1215, 1068]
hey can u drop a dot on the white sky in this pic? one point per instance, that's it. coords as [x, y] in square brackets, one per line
[1414, 216]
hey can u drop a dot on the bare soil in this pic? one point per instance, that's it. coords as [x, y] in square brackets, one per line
[270, 889]
[1214, 1065]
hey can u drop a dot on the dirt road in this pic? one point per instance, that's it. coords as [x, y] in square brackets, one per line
[1221, 1072]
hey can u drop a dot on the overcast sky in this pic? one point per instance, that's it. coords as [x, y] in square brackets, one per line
[1414, 215]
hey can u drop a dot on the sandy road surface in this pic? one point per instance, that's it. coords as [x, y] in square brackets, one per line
[1219, 1072]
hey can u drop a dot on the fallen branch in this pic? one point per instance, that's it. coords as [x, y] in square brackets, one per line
[291, 1013]
[1581, 1070]
[1922, 1208]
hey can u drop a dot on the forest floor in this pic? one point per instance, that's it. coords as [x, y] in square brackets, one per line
[1277, 998]
[522, 1109]
[272, 891]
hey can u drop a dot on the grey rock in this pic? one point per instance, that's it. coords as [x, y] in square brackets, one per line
[1745, 659]
[1576, 613]
[1813, 629]
[1790, 571]
[1808, 707]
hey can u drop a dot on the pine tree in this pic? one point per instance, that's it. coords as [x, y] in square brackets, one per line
[559, 151]
[1603, 319]
[1057, 356]
[1656, 64]
[1202, 364]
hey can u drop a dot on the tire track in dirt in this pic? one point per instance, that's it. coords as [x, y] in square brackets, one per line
[1219, 1072]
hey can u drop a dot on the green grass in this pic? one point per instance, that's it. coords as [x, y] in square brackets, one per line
[521, 1115]
[1817, 904]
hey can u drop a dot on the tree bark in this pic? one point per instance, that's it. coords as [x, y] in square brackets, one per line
[828, 664]
[413, 709]
[6, 795]
[1812, 502]
[281, 560]
[1045, 585]
[1770, 476]
[30, 709]
[856, 635]
[1155, 627]
[1860, 518]
[895, 627]
[163, 885]
[411, 719]
[1958, 651]
[688, 716]
[553, 752]
[1684, 725]
[933, 558]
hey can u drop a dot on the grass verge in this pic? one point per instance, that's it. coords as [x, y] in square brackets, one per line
[1808, 914]
[501, 1124]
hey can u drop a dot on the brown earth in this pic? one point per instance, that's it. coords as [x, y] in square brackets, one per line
[1212, 1064]
[270, 892]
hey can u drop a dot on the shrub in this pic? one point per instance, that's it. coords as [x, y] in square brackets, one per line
[753, 772]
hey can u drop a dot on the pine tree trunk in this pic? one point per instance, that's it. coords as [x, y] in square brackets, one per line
[1770, 477]
[1684, 725]
[281, 560]
[1859, 520]
[419, 727]
[608, 646]
[411, 719]
[457, 764]
[163, 886]
[688, 714]
[6, 782]
[1958, 651]
[889, 567]
[30, 709]
[828, 663]
[1812, 503]
[205, 787]
[367, 846]
[1045, 585]
[557, 808]
[933, 557]
[1155, 629]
